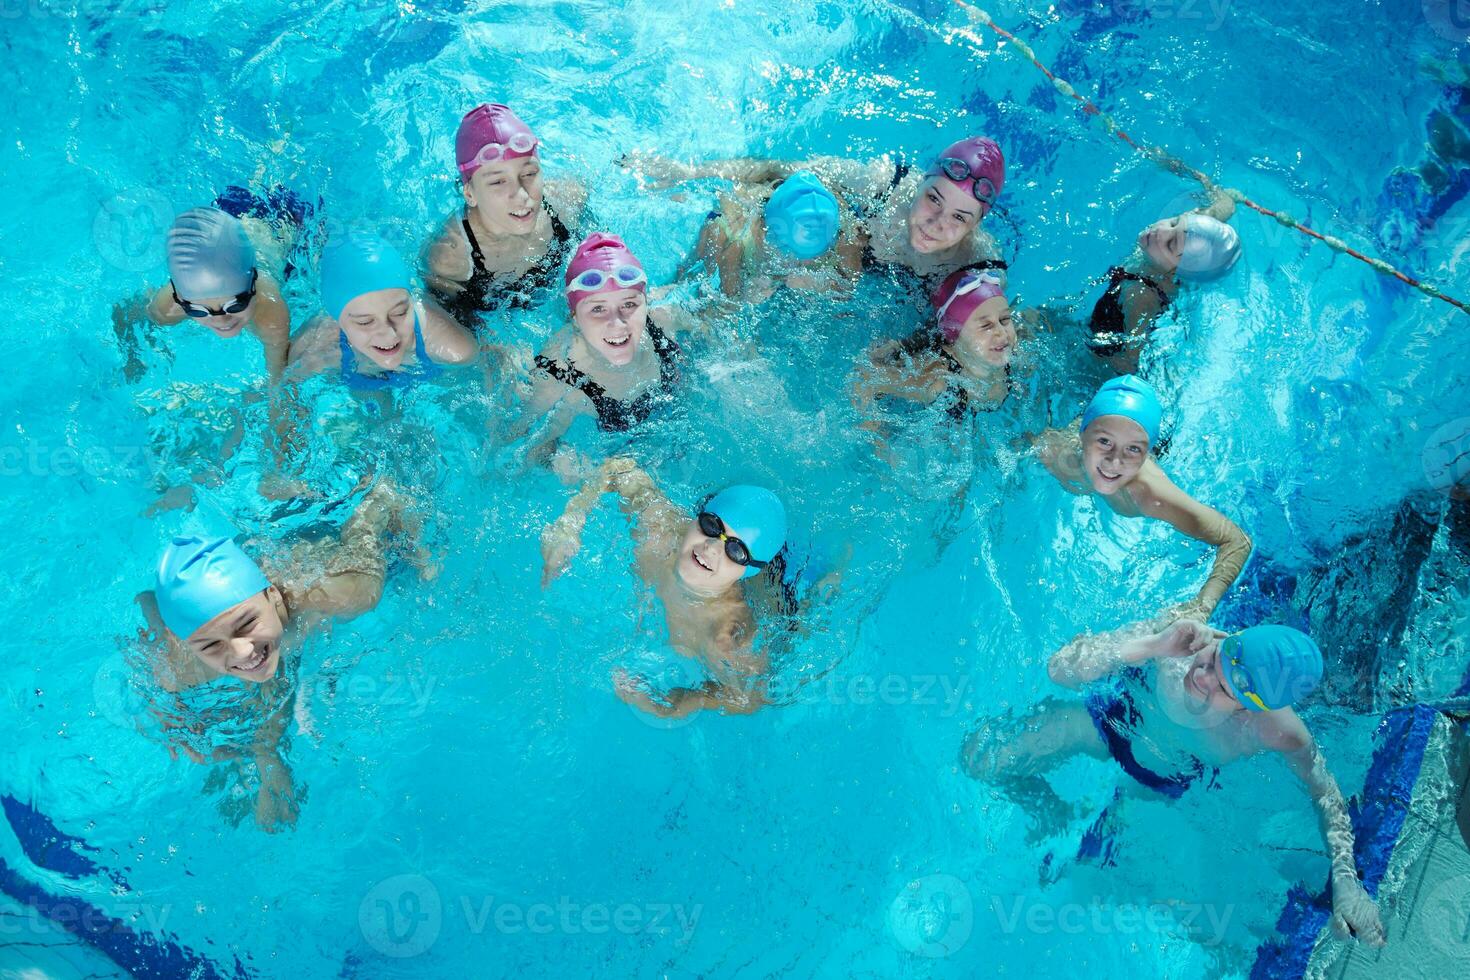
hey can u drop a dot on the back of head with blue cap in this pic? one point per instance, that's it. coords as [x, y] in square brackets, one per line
[199, 578]
[802, 217]
[357, 263]
[756, 516]
[209, 255]
[1270, 667]
[1131, 397]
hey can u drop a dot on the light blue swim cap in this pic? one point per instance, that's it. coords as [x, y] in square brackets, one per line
[802, 216]
[755, 516]
[199, 578]
[1131, 397]
[1270, 667]
[209, 254]
[359, 262]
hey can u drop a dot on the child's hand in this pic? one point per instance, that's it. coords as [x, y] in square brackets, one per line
[1187, 637]
[633, 689]
[560, 543]
[275, 803]
[1354, 914]
[653, 171]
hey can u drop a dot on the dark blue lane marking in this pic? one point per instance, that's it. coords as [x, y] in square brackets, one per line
[143, 955]
[140, 953]
[1378, 819]
[46, 845]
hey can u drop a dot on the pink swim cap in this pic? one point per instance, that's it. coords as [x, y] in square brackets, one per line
[489, 123]
[982, 159]
[959, 296]
[605, 253]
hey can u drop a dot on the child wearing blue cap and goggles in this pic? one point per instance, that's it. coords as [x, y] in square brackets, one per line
[695, 566]
[1173, 705]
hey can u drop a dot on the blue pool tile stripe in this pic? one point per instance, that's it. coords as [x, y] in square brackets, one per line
[142, 955]
[46, 845]
[1378, 819]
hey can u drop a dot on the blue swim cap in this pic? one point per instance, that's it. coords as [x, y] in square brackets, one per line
[359, 262]
[200, 578]
[209, 254]
[755, 516]
[1131, 397]
[802, 216]
[1270, 667]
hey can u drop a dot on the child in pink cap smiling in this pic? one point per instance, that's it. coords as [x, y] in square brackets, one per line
[964, 357]
[615, 360]
[515, 230]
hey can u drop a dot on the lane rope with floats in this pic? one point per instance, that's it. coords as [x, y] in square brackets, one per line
[1173, 165]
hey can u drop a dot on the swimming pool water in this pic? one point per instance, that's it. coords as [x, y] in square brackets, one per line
[477, 802]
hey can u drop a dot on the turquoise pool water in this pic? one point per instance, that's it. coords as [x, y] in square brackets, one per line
[477, 802]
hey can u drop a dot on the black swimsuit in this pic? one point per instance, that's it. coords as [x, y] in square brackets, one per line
[1109, 324]
[484, 292]
[614, 415]
[926, 342]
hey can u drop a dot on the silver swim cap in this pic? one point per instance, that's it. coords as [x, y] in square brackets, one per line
[1211, 247]
[209, 255]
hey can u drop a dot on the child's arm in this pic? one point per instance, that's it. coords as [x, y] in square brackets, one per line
[446, 260]
[1162, 499]
[130, 323]
[445, 341]
[562, 539]
[742, 694]
[272, 326]
[1353, 911]
[358, 586]
[275, 802]
[1096, 655]
[680, 702]
[866, 179]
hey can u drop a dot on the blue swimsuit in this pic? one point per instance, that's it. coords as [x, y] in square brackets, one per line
[421, 369]
[1116, 717]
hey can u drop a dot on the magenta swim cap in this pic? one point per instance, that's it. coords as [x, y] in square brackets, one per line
[487, 124]
[970, 160]
[605, 253]
[959, 296]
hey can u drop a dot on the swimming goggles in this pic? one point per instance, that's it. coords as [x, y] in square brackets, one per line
[711, 526]
[238, 305]
[1240, 678]
[491, 152]
[959, 170]
[622, 277]
[968, 284]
